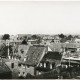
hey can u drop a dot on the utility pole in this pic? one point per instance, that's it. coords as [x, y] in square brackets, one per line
[8, 51]
[69, 59]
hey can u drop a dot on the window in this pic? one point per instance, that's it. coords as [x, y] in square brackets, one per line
[50, 66]
[40, 64]
[44, 65]
[23, 72]
[24, 59]
[12, 65]
[19, 65]
[27, 66]
[18, 73]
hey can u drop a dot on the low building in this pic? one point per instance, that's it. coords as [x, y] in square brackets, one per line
[50, 61]
[32, 60]
[73, 47]
[5, 72]
[76, 40]
[32, 41]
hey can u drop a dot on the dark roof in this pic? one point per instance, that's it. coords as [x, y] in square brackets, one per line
[52, 57]
[34, 55]
[4, 68]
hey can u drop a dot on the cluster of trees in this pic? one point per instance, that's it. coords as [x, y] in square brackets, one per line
[33, 37]
[64, 38]
[4, 50]
[6, 36]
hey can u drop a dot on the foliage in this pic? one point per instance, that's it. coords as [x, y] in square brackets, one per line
[61, 35]
[69, 37]
[6, 36]
[34, 36]
[4, 50]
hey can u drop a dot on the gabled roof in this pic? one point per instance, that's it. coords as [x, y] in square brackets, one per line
[55, 47]
[34, 55]
[52, 57]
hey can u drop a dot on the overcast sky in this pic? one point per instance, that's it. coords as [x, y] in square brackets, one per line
[40, 17]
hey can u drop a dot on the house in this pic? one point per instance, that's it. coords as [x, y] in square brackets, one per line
[5, 72]
[70, 61]
[50, 61]
[32, 60]
[76, 40]
[32, 41]
[22, 50]
[73, 47]
[13, 66]
[55, 40]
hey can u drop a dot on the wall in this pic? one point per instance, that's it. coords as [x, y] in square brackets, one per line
[24, 69]
[14, 70]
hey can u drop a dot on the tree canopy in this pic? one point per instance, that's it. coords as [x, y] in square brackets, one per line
[61, 35]
[6, 36]
[69, 37]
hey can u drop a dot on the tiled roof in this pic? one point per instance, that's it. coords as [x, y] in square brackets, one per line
[23, 48]
[34, 55]
[55, 47]
[52, 57]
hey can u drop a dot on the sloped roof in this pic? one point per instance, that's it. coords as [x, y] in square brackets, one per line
[23, 48]
[52, 57]
[55, 47]
[34, 54]
[72, 45]
[4, 68]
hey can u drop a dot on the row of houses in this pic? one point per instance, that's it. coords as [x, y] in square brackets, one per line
[38, 59]
[32, 59]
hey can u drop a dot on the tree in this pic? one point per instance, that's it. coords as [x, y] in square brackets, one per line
[61, 35]
[4, 50]
[69, 37]
[34, 36]
[6, 36]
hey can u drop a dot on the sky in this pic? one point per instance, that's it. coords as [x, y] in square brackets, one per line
[39, 17]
